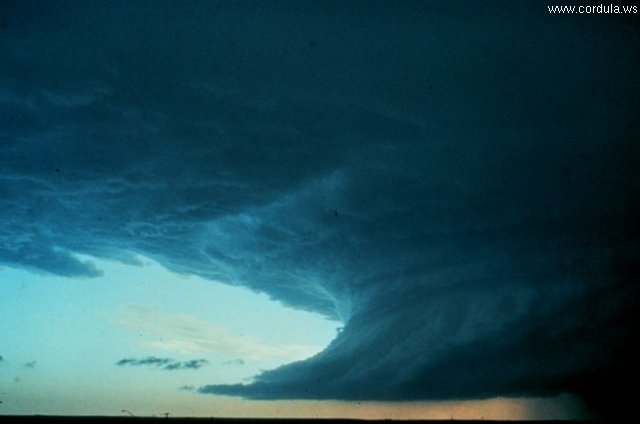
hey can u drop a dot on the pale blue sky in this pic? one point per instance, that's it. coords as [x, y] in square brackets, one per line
[76, 330]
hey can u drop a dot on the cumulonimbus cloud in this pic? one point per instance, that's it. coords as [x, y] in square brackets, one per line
[457, 185]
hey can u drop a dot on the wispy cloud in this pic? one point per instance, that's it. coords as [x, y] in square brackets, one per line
[164, 363]
[188, 334]
[30, 364]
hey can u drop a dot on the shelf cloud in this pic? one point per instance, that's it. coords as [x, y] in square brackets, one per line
[456, 184]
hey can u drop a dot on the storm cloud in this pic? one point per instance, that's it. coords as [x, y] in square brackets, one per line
[456, 183]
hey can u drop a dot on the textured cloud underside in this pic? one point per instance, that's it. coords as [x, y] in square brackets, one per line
[458, 186]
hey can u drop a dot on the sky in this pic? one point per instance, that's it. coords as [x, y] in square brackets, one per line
[372, 209]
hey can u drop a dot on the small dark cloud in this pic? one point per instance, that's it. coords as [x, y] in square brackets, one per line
[153, 361]
[237, 361]
[188, 388]
[173, 366]
[194, 364]
[1, 358]
[164, 363]
[30, 364]
[148, 361]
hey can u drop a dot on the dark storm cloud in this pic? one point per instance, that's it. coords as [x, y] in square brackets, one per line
[164, 363]
[457, 183]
